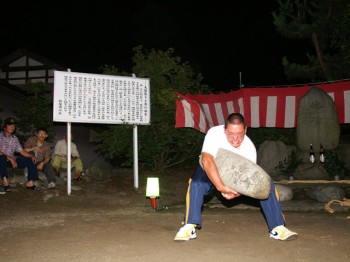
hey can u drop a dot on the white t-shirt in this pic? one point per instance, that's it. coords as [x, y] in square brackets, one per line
[61, 148]
[216, 139]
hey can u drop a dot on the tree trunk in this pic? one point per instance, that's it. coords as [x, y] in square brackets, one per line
[323, 66]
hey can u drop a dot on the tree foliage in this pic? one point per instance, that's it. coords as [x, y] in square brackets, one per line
[161, 145]
[34, 112]
[326, 24]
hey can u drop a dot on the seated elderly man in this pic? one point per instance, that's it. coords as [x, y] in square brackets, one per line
[59, 158]
[9, 145]
[38, 146]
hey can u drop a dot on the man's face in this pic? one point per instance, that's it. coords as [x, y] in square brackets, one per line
[41, 135]
[66, 137]
[10, 128]
[235, 134]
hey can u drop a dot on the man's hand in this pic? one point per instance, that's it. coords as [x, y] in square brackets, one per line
[227, 190]
[33, 159]
[40, 166]
[230, 195]
[13, 162]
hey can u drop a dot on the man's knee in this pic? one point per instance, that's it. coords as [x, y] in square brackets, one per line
[3, 159]
[56, 161]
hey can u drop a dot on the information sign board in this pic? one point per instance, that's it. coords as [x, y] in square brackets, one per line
[94, 98]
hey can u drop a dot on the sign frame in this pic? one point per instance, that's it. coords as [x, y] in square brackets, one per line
[126, 96]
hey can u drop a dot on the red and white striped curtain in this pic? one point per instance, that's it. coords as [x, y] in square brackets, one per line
[262, 107]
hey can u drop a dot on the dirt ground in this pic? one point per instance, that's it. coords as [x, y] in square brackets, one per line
[111, 221]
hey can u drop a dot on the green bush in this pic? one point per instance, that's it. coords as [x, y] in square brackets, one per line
[161, 145]
[334, 166]
[289, 165]
[33, 113]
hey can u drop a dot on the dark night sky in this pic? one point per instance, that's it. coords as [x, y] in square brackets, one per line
[218, 38]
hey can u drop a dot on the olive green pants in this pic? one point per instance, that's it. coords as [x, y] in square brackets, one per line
[57, 161]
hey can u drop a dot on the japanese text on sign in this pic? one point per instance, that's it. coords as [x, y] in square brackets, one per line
[92, 98]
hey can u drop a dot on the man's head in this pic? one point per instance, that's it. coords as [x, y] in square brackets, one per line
[9, 125]
[66, 136]
[9, 121]
[41, 133]
[235, 129]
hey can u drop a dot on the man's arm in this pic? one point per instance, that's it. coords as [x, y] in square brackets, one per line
[212, 172]
[12, 161]
[31, 149]
[74, 151]
[60, 149]
[46, 152]
[57, 148]
[30, 145]
[25, 153]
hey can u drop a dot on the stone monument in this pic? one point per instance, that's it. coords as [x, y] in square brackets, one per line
[317, 121]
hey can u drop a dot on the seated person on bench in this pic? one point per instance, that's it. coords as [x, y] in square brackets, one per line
[9, 145]
[59, 158]
[38, 146]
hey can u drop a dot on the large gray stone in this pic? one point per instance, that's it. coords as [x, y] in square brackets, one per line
[324, 194]
[285, 193]
[100, 170]
[308, 171]
[243, 175]
[317, 121]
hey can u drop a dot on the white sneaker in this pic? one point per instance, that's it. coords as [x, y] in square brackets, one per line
[51, 185]
[186, 232]
[283, 233]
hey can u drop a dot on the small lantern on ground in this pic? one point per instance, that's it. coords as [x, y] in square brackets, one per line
[152, 190]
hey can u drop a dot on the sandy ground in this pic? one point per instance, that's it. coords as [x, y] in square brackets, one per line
[111, 221]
